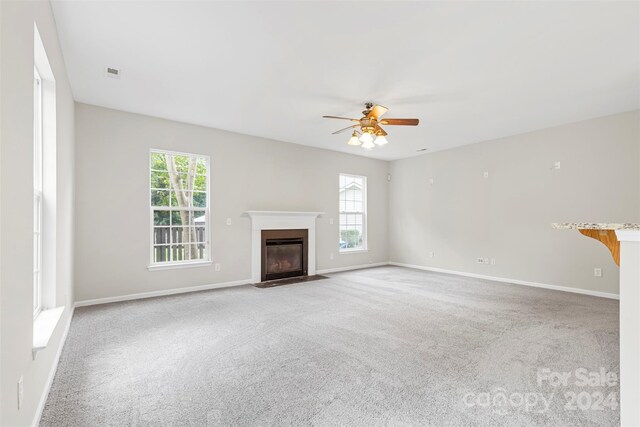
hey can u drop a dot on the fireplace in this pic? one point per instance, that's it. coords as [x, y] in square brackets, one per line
[284, 254]
[280, 221]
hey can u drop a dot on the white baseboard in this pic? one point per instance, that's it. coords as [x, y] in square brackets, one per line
[175, 291]
[52, 372]
[511, 281]
[162, 293]
[352, 267]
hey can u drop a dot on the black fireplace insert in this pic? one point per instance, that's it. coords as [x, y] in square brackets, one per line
[284, 254]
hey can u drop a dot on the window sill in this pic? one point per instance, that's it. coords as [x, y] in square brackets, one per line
[43, 326]
[353, 251]
[156, 267]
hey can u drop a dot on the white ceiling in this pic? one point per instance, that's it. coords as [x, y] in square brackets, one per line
[470, 71]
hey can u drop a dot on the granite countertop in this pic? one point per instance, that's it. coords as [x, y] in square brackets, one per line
[594, 226]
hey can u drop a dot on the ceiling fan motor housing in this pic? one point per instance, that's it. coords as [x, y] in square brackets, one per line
[367, 108]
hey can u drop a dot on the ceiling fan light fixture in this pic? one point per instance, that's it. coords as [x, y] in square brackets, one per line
[367, 139]
[381, 140]
[354, 139]
[368, 145]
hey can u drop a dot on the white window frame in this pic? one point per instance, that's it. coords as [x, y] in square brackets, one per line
[184, 263]
[37, 191]
[365, 246]
[47, 307]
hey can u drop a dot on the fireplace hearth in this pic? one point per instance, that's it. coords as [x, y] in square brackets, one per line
[284, 254]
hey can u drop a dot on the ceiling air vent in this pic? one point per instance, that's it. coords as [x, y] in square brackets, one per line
[114, 73]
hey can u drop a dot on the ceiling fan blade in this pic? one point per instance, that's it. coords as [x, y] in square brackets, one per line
[341, 118]
[400, 122]
[380, 131]
[342, 130]
[377, 111]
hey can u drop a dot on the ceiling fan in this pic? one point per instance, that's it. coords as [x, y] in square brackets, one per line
[370, 133]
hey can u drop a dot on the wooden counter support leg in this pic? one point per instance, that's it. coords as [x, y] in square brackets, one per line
[629, 327]
[608, 238]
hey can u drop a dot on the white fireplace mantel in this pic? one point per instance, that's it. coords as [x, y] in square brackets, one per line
[281, 220]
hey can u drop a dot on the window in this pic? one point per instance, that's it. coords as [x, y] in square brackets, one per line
[37, 192]
[353, 213]
[46, 311]
[179, 194]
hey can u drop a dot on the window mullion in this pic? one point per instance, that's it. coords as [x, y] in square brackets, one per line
[170, 231]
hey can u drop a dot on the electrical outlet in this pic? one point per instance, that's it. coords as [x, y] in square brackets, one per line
[228, 221]
[20, 392]
[331, 256]
[597, 272]
[493, 261]
[486, 174]
[480, 260]
[486, 260]
[431, 254]
[216, 267]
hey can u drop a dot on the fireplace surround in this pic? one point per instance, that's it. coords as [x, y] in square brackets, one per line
[281, 220]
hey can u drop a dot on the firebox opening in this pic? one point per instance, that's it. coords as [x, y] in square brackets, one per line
[284, 254]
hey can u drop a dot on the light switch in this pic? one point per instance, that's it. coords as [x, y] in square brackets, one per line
[228, 221]
[331, 221]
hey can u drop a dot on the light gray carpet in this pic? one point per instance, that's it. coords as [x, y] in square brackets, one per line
[383, 346]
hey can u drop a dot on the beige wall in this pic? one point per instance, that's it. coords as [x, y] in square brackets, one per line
[16, 201]
[460, 217]
[248, 173]
[508, 216]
